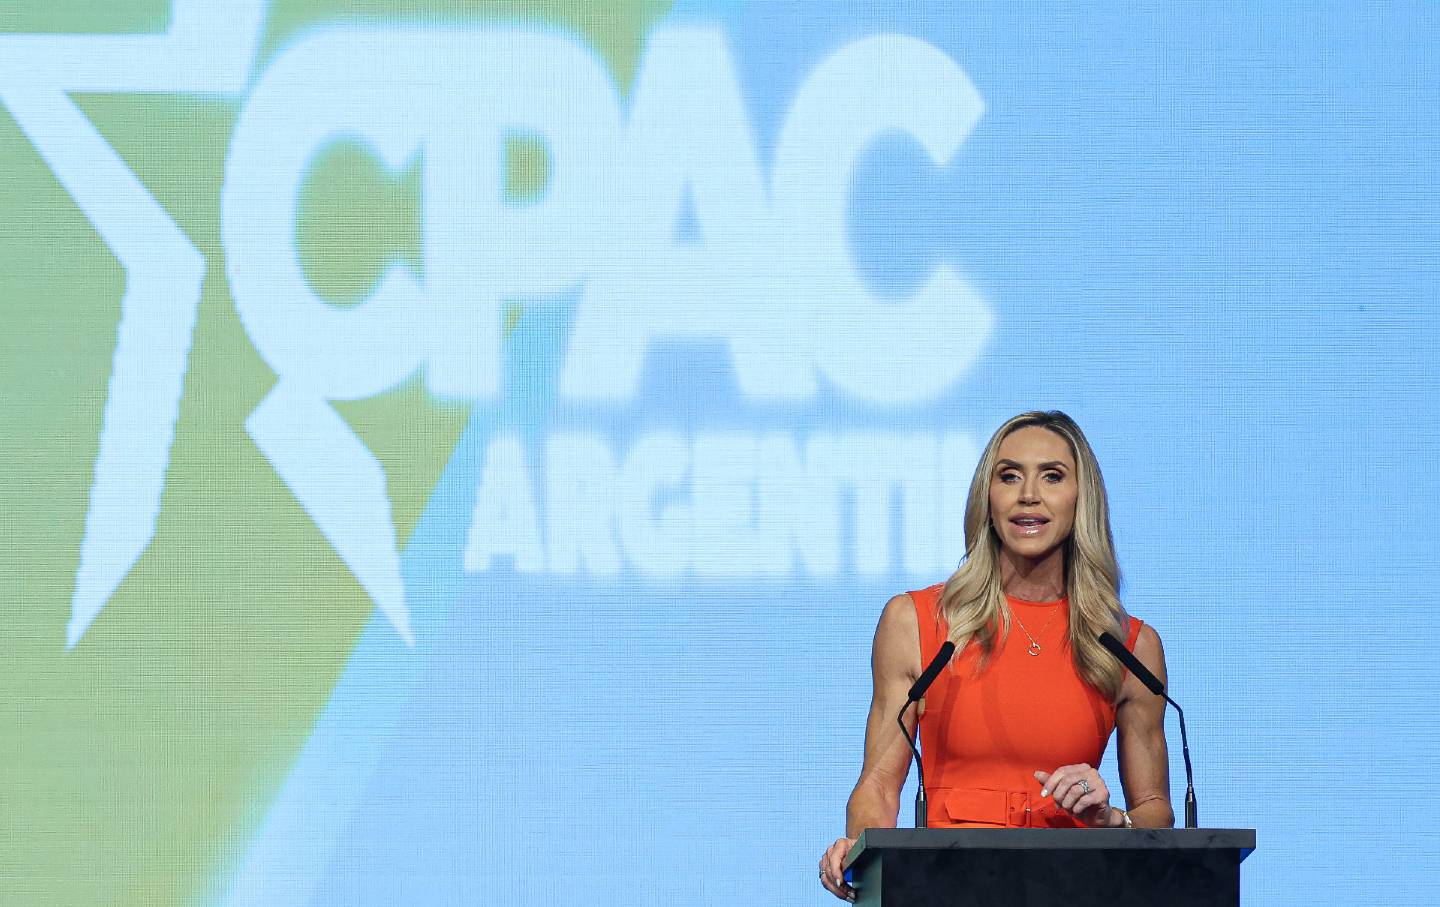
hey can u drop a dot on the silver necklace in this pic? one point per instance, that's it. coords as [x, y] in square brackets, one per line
[1034, 648]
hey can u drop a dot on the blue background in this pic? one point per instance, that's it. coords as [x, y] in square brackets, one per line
[1207, 231]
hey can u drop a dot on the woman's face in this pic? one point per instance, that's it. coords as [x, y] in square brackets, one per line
[1033, 491]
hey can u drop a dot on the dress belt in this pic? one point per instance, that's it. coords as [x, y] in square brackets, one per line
[1001, 808]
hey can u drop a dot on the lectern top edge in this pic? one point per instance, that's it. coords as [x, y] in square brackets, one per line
[1241, 839]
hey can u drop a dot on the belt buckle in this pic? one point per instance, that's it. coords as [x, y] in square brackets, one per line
[1019, 804]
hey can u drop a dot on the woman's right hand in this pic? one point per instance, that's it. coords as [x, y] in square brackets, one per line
[832, 869]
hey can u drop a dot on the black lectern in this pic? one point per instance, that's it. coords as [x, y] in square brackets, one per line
[1074, 867]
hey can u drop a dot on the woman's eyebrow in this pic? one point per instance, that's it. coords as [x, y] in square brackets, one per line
[1049, 464]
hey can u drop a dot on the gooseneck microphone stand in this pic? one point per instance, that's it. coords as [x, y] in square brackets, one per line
[917, 690]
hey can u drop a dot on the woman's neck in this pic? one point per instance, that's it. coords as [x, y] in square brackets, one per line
[1041, 580]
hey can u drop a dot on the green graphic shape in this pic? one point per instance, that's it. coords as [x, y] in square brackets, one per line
[354, 220]
[85, 17]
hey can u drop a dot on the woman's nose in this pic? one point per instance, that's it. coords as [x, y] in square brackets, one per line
[1030, 491]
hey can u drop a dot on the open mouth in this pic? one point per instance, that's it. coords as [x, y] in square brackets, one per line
[1029, 525]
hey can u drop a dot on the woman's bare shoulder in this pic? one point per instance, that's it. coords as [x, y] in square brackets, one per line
[1148, 646]
[900, 608]
[1151, 653]
[897, 637]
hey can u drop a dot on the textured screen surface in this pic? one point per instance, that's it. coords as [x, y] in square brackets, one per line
[457, 452]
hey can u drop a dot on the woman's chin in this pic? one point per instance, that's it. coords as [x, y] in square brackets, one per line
[1030, 549]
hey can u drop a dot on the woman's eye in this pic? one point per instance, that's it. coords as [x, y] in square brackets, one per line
[1054, 477]
[1008, 477]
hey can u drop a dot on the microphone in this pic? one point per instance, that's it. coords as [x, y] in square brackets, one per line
[937, 664]
[1144, 675]
[917, 691]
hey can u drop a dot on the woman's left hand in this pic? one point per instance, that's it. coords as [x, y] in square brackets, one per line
[1080, 791]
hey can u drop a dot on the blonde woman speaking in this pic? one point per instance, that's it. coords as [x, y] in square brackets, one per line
[1012, 731]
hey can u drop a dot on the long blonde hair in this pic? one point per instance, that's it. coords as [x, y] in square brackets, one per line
[973, 601]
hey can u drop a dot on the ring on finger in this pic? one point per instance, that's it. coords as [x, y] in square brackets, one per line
[1085, 786]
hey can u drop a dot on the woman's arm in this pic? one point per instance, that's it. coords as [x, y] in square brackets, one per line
[894, 666]
[1140, 726]
[875, 802]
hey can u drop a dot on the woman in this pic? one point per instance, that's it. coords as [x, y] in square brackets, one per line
[1014, 728]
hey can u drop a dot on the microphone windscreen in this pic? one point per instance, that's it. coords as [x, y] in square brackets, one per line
[1128, 659]
[937, 664]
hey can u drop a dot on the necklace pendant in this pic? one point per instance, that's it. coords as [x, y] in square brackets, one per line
[1034, 648]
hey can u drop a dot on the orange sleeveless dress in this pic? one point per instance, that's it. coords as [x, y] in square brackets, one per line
[983, 736]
